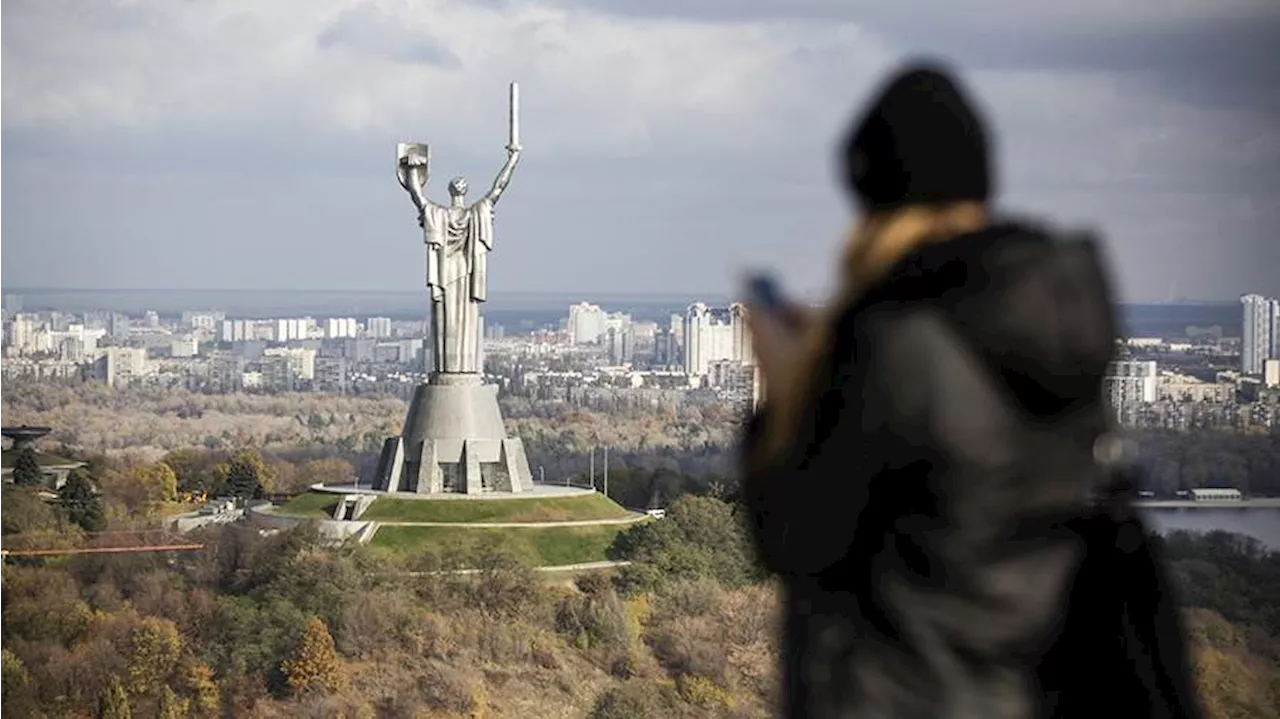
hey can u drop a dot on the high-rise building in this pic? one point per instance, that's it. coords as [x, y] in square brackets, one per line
[331, 374]
[1271, 373]
[119, 325]
[21, 332]
[291, 329]
[72, 349]
[619, 343]
[184, 347]
[236, 330]
[712, 334]
[226, 371]
[337, 327]
[618, 338]
[285, 368]
[739, 381]
[1128, 385]
[586, 323]
[1261, 337]
[378, 327]
[152, 319]
[202, 319]
[121, 365]
[645, 335]
[677, 335]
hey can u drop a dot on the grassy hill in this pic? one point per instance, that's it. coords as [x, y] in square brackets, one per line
[543, 546]
[462, 511]
[540, 509]
[317, 505]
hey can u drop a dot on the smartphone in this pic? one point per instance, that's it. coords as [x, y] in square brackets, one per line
[763, 292]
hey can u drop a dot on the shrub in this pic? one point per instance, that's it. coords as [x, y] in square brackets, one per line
[449, 690]
[701, 692]
[593, 621]
[689, 598]
[633, 700]
[689, 646]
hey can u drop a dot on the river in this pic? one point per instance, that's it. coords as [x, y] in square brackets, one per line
[1262, 524]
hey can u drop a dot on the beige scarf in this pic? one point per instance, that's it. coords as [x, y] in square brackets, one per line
[874, 248]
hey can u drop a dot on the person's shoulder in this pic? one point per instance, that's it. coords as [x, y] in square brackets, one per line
[904, 340]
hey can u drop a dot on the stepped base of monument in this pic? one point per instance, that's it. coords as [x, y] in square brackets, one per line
[537, 491]
[454, 441]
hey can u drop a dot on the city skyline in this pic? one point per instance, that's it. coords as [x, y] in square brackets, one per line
[205, 146]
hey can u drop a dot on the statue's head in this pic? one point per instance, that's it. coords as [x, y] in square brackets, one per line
[458, 187]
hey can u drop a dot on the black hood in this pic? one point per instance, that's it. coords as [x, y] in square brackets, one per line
[1036, 306]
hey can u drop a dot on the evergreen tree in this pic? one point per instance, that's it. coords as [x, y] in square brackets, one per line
[244, 474]
[114, 703]
[82, 505]
[26, 471]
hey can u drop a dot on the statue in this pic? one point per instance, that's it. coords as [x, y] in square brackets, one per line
[458, 238]
[454, 439]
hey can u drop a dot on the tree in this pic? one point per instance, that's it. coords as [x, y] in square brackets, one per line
[26, 470]
[701, 537]
[245, 474]
[114, 703]
[327, 471]
[198, 682]
[13, 677]
[24, 512]
[194, 468]
[314, 664]
[154, 649]
[171, 707]
[142, 488]
[82, 505]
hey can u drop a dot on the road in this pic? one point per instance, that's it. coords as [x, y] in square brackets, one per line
[583, 567]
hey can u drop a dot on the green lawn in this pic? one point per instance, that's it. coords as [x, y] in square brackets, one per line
[310, 504]
[541, 509]
[548, 546]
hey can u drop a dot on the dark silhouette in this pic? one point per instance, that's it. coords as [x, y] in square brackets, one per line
[922, 474]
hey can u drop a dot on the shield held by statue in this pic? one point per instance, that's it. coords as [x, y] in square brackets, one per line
[413, 163]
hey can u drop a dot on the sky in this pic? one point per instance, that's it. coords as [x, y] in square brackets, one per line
[669, 145]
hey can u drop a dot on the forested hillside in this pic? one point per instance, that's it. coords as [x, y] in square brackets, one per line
[283, 626]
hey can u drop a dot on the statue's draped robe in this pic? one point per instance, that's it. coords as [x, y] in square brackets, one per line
[458, 243]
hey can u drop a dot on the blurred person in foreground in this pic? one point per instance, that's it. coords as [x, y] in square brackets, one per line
[921, 470]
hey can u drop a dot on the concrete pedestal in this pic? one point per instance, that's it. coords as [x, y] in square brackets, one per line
[453, 441]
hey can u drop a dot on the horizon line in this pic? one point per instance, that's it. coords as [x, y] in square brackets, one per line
[586, 295]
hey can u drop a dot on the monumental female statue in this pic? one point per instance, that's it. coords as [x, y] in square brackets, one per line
[458, 238]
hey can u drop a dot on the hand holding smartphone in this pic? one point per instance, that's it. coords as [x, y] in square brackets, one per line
[763, 295]
[763, 292]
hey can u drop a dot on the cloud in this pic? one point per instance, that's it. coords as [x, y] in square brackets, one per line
[368, 30]
[595, 83]
[667, 143]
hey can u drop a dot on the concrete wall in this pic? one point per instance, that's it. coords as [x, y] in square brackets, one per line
[330, 529]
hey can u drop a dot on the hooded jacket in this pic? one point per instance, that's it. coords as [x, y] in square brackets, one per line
[951, 424]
